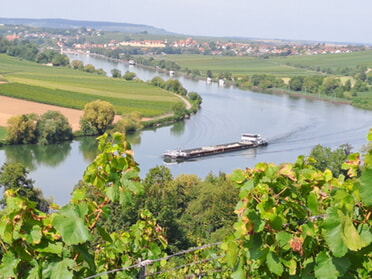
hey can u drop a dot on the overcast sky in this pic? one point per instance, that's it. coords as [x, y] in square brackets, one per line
[320, 20]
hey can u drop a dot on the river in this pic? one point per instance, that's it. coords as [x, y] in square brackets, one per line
[293, 126]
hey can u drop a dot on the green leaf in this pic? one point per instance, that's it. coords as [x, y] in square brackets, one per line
[78, 194]
[71, 227]
[238, 176]
[248, 185]
[366, 187]
[334, 232]
[342, 265]
[133, 186]
[351, 237]
[54, 248]
[366, 233]
[283, 239]
[34, 273]
[324, 268]
[62, 270]
[6, 229]
[239, 272]
[35, 234]
[8, 266]
[276, 223]
[292, 269]
[112, 192]
[274, 264]
[312, 203]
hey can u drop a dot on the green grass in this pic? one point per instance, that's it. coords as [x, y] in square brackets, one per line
[237, 66]
[279, 66]
[333, 61]
[2, 133]
[72, 88]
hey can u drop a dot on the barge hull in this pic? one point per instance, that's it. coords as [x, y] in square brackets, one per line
[212, 150]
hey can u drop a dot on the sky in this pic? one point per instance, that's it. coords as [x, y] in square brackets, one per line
[314, 20]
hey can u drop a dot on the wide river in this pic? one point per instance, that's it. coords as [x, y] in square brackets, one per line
[292, 125]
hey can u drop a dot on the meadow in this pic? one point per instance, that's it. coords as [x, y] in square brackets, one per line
[285, 66]
[70, 88]
[2, 133]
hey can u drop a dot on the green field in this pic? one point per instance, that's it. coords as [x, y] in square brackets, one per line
[72, 88]
[2, 133]
[237, 66]
[279, 66]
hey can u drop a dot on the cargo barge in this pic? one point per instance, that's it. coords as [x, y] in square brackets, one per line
[246, 141]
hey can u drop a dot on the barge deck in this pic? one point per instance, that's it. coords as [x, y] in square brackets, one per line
[247, 141]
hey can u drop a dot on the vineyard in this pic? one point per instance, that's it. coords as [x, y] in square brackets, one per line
[293, 221]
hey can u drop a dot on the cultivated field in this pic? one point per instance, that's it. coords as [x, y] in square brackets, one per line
[279, 66]
[70, 88]
[11, 107]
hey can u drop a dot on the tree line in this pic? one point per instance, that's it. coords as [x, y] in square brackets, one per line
[98, 118]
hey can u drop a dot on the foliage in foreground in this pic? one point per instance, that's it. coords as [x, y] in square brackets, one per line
[298, 222]
[59, 245]
[294, 221]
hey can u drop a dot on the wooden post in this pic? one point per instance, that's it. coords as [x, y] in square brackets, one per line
[142, 273]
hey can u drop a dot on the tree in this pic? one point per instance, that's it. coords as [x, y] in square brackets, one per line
[347, 85]
[195, 97]
[157, 81]
[98, 116]
[45, 56]
[53, 127]
[330, 84]
[89, 68]
[296, 83]
[164, 198]
[100, 72]
[129, 123]
[208, 212]
[325, 158]
[179, 110]
[21, 129]
[77, 64]
[129, 75]
[13, 176]
[60, 60]
[173, 85]
[116, 73]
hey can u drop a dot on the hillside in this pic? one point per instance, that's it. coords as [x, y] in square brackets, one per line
[98, 25]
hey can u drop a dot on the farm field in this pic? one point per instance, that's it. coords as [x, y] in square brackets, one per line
[234, 65]
[70, 88]
[280, 66]
[2, 133]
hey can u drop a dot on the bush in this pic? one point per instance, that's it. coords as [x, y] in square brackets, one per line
[53, 127]
[98, 117]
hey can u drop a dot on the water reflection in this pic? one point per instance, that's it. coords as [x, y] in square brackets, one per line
[88, 147]
[134, 138]
[178, 128]
[31, 156]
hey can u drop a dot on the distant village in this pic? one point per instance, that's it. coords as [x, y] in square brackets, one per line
[189, 45]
